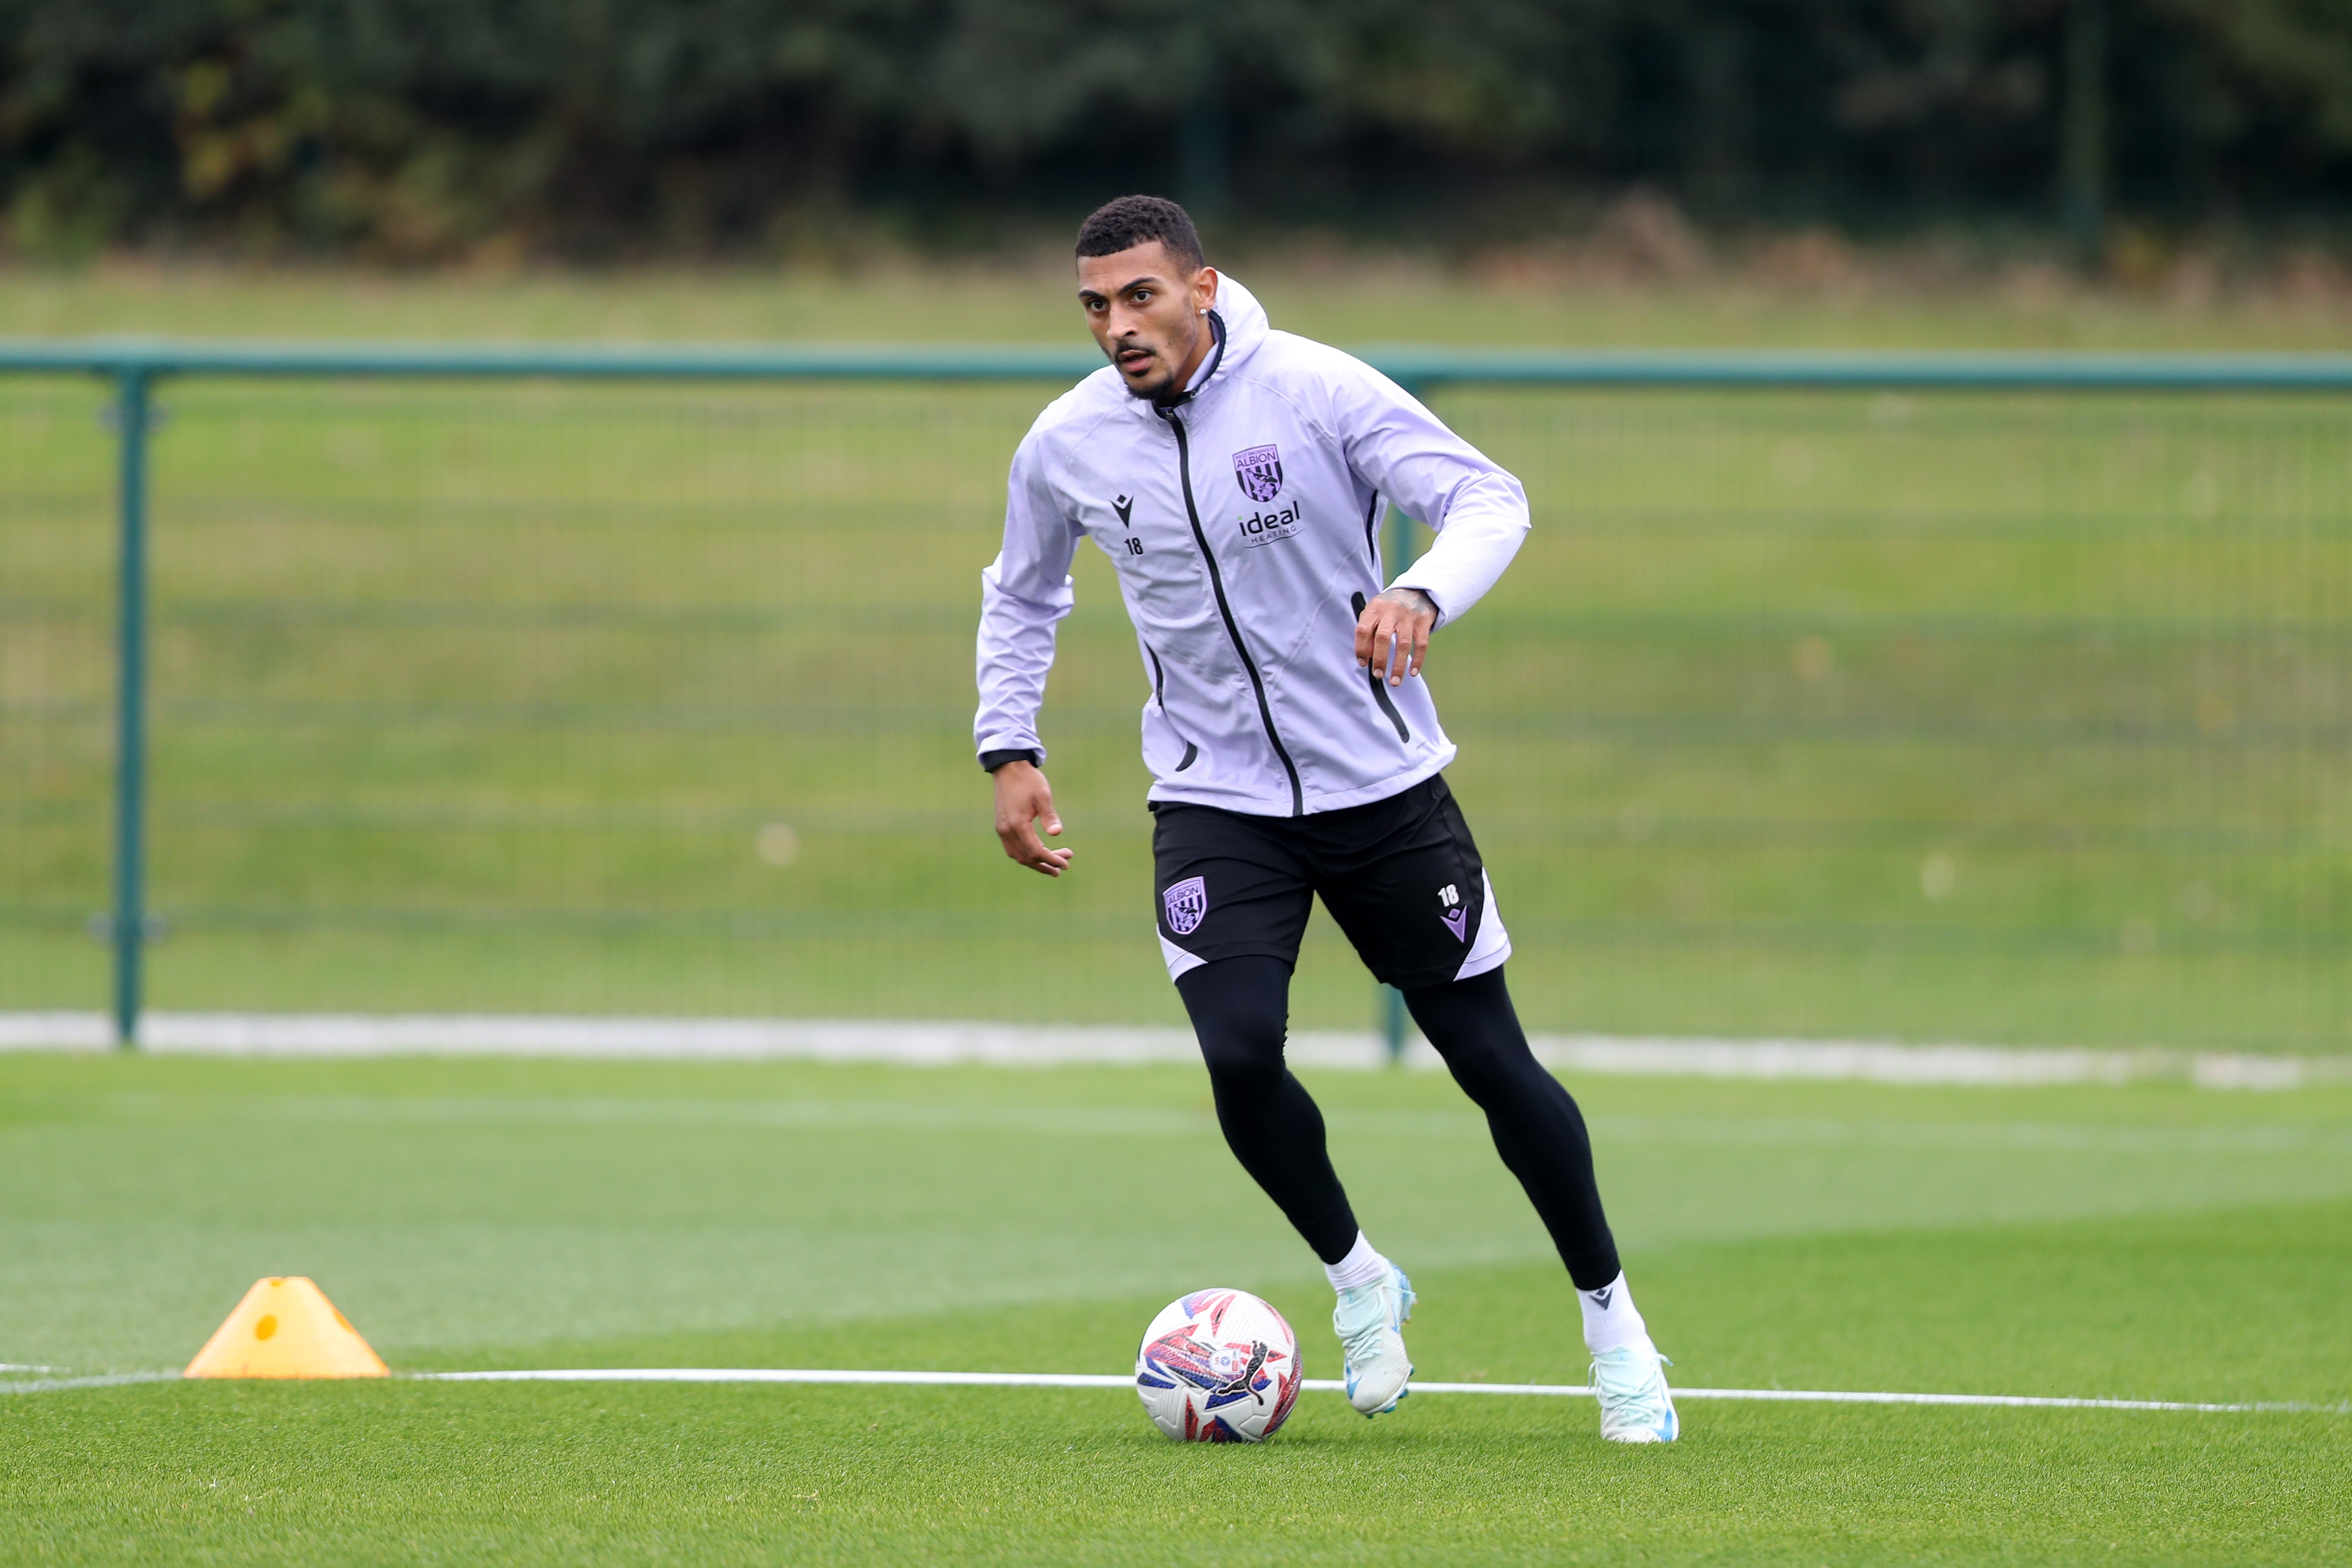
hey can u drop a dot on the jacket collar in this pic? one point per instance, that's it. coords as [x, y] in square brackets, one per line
[1238, 324]
[1207, 373]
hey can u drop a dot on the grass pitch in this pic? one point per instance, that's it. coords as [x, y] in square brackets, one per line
[2152, 1241]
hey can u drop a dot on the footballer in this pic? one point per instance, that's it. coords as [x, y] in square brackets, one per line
[1237, 478]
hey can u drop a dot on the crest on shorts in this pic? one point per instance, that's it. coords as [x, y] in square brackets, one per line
[1259, 469]
[1187, 901]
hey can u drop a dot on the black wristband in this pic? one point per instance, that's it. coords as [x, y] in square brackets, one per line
[991, 761]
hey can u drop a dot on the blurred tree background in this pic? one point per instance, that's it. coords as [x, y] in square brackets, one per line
[421, 130]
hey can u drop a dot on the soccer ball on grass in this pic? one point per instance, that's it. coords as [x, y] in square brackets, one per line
[1218, 1366]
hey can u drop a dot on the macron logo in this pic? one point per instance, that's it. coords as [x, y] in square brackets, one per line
[1600, 1297]
[1122, 506]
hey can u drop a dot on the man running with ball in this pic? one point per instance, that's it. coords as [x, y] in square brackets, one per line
[1236, 476]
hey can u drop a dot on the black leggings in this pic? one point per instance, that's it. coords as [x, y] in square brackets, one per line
[1241, 1011]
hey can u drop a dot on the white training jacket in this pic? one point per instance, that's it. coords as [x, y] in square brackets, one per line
[1244, 523]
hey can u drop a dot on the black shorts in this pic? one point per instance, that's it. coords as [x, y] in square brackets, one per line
[1401, 876]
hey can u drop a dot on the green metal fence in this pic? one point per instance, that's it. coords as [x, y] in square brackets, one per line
[1989, 697]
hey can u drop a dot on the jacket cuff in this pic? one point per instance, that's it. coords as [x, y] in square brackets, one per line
[991, 761]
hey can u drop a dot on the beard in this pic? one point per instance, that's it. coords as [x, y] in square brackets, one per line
[1162, 385]
[1154, 387]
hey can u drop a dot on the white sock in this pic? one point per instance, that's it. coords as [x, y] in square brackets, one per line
[1609, 1317]
[1362, 1265]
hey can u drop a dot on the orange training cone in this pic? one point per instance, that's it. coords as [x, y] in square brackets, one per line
[286, 1328]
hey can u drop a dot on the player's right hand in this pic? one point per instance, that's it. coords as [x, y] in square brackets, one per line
[1022, 799]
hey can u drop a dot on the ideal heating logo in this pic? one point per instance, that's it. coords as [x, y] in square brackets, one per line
[1267, 526]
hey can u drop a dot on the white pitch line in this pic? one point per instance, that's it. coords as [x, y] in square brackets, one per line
[1316, 1385]
[788, 1374]
[1106, 1380]
[106, 1380]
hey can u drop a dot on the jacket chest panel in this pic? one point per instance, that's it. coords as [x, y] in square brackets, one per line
[1275, 509]
[1139, 520]
[1264, 488]
[1273, 498]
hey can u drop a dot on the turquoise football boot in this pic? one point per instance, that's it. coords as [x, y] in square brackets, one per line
[1635, 1404]
[1367, 1321]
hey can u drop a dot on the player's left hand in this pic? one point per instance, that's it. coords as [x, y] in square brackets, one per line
[1393, 633]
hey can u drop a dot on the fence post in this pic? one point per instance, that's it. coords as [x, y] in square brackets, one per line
[1396, 553]
[131, 411]
[1392, 1023]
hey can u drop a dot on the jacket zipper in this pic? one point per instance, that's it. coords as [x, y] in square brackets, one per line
[1224, 610]
[1159, 696]
[1380, 688]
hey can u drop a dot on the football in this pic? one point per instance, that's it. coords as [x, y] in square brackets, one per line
[1218, 1366]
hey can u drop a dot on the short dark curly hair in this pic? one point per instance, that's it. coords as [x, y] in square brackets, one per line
[1131, 221]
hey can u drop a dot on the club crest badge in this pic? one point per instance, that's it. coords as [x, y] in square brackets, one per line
[1259, 471]
[1187, 902]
